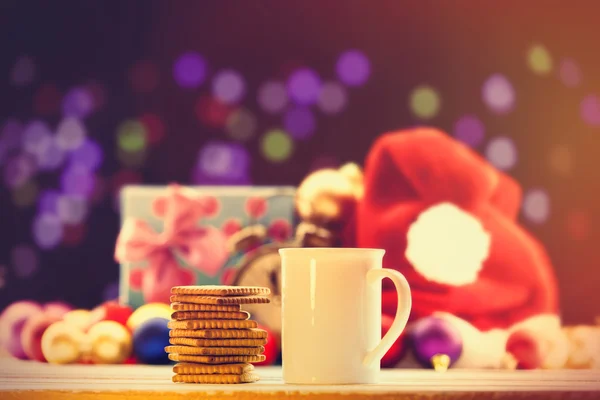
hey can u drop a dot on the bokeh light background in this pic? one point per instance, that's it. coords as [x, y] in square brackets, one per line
[98, 94]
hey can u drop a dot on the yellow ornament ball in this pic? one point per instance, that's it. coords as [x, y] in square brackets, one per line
[62, 343]
[110, 343]
[146, 312]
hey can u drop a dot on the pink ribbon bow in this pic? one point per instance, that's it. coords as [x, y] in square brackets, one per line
[200, 247]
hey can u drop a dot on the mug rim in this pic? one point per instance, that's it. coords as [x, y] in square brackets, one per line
[321, 249]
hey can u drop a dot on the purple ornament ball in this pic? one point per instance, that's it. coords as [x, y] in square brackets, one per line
[12, 321]
[433, 336]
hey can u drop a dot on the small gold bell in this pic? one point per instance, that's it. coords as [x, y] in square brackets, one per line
[440, 362]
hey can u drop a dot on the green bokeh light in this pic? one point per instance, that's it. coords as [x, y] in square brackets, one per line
[539, 60]
[425, 102]
[277, 145]
[131, 136]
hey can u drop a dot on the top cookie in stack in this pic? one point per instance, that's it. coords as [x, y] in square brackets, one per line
[212, 337]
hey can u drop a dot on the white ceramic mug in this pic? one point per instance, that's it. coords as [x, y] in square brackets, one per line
[331, 314]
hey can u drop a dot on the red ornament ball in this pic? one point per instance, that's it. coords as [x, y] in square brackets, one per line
[396, 352]
[31, 336]
[112, 311]
[523, 345]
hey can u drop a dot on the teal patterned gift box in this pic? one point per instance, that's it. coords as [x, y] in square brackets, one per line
[174, 235]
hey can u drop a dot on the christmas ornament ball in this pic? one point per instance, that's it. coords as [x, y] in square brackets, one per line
[33, 330]
[524, 347]
[57, 308]
[12, 322]
[436, 342]
[62, 343]
[80, 319]
[146, 312]
[149, 341]
[110, 342]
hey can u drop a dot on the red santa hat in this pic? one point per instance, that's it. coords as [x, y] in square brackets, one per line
[447, 220]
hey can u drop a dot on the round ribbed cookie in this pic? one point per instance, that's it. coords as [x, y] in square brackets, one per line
[194, 299]
[219, 333]
[204, 307]
[216, 359]
[247, 377]
[215, 351]
[183, 341]
[213, 324]
[208, 369]
[221, 291]
[183, 315]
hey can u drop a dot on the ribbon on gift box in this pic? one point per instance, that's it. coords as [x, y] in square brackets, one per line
[182, 240]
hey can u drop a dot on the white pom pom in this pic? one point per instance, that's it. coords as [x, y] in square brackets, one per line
[447, 245]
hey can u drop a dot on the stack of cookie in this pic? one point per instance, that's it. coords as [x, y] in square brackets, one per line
[212, 338]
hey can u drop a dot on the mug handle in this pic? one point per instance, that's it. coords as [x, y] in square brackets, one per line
[375, 276]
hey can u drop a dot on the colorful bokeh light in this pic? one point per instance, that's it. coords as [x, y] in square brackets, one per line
[47, 100]
[241, 125]
[228, 86]
[498, 94]
[470, 130]
[212, 112]
[48, 201]
[300, 122]
[539, 60]
[26, 194]
[502, 153]
[10, 138]
[425, 102]
[70, 133]
[52, 158]
[353, 68]
[23, 71]
[304, 86]
[47, 231]
[18, 170]
[25, 261]
[333, 98]
[131, 136]
[277, 146]
[72, 210]
[222, 162]
[154, 126]
[590, 110]
[78, 102]
[98, 92]
[569, 73]
[88, 156]
[536, 206]
[190, 70]
[37, 137]
[272, 97]
[78, 181]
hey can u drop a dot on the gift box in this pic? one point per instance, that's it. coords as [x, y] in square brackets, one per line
[175, 235]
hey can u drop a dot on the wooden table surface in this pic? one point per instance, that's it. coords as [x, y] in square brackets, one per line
[31, 380]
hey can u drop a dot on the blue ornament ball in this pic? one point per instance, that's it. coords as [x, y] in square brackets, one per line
[150, 340]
